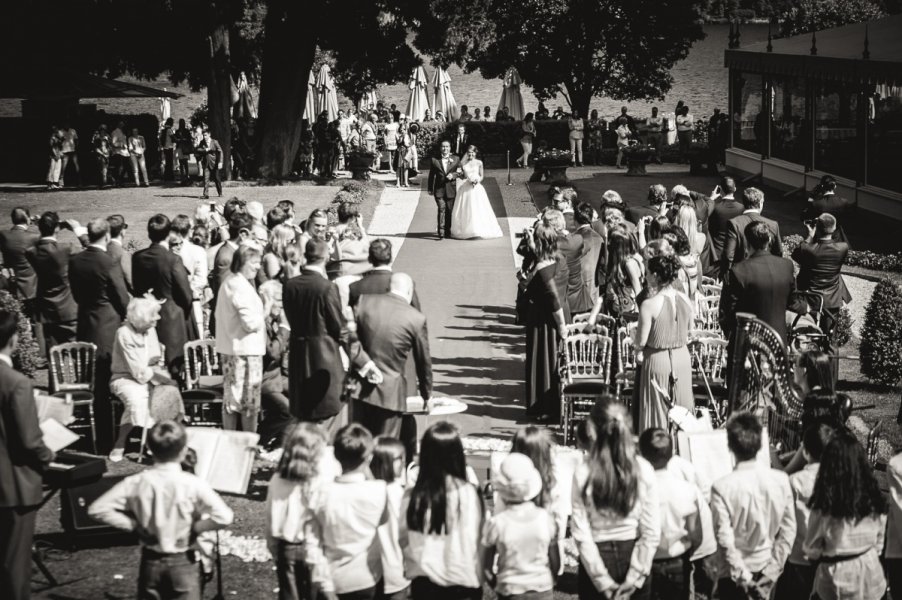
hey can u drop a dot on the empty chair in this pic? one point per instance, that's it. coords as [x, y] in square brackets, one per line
[203, 384]
[72, 374]
[585, 363]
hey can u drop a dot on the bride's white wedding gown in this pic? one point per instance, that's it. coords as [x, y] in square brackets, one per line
[473, 216]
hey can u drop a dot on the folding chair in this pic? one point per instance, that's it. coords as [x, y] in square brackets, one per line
[585, 364]
[72, 367]
[203, 384]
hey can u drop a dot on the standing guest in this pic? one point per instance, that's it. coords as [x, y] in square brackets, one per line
[657, 197]
[570, 248]
[616, 510]
[353, 143]
[70, 154]
[540, 308]
[442, 519]
[893, 554]
[259, 232]
[820, 258]
[395, 113]
[725, 208]
[158, 271]
[211, 156]
[378, 279]
[464, 114]
[54, 171]
[503, 115]
[55, 309]
[116, 247]
[527, 137]
[390, 137]
[528, 558]
[136, 149]
[193, 256]
[754, 517]
[623, 277]
[388, 464]
[684, 125]
[306, 154]
[404, 157]
[241, 340]
[682, 504]
[798, 577]
[321, 142]
[316, 227]
[689, 275]
[167, 144]
[623, 140]
[687, 221]
[461, 141]
[654, 131]
[591, 263]
[313, 308]
[273, 398]
[627, 118]
[275, 257]
[98, 287]
[14, 244]
[542, 112]
[23, 457]
[663, 335]
[167, 508]
[576, 125]
[487, 113]
[596, 128]
[102, 144]
[120, 157]
[139, 371]
[477, 114]
[717, 135]
[427, 116]
[184, 148]
[736, 247]
[847, 524]
[824, 199]
[559, 114]
[240, 225]
[368, 135]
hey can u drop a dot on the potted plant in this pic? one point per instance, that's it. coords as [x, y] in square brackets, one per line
[359, 162]
[637, 156]
[550, 165]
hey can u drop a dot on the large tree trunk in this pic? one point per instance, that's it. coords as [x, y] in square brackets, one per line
[219, 94]
[288, 55]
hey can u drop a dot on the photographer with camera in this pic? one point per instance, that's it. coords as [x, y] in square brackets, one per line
[823, 199]
[820, 258]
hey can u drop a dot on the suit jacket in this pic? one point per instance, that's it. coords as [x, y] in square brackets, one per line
[591, 265]
[313, 308]
[820, 264]
[562, 282]
[571, 248]
[634, 214]
[23, 454]
[98, 287]
[438, 176]
[158, 269]
[719, 221]
[841, 208]
[736, 248]
[124, 258]
[13, 245]
[459, 146]
[376, 281]
[54, 302]
[222, 265]
[389, 330]
[762, 285]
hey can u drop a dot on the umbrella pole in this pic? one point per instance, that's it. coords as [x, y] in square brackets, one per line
[509, 168]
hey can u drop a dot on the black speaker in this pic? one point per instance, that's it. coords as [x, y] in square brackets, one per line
[74, 503]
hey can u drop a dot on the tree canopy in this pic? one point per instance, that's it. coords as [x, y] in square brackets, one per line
[805, 16]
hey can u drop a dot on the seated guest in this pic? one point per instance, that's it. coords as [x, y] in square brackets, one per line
[274, 401]
[754, 517]
[847, 524]
[736, 246]
[820, 258]
[140, 373]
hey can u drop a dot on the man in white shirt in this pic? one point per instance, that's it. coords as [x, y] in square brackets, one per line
[70, 154]
[119, 157]
[754, 517]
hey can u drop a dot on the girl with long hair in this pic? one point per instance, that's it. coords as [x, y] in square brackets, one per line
[389, 459]
[847, 524]
[280, 238]
[624, 277]
[687, 220]
[441, 521]
[616, 514]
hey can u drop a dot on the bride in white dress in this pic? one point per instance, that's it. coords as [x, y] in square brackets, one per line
[473, 216]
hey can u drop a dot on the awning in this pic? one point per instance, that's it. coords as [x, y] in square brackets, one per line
[27, 85]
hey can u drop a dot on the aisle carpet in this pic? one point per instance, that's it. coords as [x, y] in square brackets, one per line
[467, 291]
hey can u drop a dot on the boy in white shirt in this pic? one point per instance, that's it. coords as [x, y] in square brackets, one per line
[681, 519]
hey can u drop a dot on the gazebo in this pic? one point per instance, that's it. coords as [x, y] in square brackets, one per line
[829, 102]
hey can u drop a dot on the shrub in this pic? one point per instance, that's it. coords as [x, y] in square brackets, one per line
[881, 335]
[856, 258]
[351, 191]
[27, 356]
[842, 329]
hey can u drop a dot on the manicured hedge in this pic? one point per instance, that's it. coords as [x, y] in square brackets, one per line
[856, 258]
[27, 356]
[881, 335]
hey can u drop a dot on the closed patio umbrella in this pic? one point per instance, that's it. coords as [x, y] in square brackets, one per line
[310, 106]
[511, 96]
[418, 103]
[165, 109]
[326, 97]
[444, 99]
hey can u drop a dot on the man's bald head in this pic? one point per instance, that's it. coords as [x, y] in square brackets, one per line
[402, 285]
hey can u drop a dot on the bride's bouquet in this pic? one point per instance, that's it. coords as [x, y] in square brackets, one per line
[473, 179]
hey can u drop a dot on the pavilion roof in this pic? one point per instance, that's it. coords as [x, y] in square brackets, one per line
[26, 84]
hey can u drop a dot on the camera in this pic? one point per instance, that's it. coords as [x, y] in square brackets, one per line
[810, 222]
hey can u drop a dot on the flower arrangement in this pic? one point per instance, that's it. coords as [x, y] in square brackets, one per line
[639, 152]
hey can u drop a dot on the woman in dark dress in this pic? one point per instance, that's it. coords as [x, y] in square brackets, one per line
[543, 316]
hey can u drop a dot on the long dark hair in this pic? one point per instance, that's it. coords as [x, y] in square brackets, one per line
[845, 487]
[537, 444]
[441, 456]
[621, 246]
[613, 482]
[818, 370]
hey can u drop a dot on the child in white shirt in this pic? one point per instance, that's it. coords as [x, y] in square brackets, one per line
[388, 463]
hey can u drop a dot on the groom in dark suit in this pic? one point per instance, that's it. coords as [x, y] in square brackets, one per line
[442, 185]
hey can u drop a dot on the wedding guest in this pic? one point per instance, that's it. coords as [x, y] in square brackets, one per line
[657, 197]
[138, 369]
[616, 510]
[184, 148]
[136, 149]
[595, 127]
[351, 251]
[403, 157]
[824, 199]
[754, 517]
[306, 154]
[576, 125]
[559, 114]
[116, 248]
[241, 340]
[343, 548]
[390, 137]
[168, 559]
[736, 246]
[70, 154]
[378, 279]
[167, 145]
[570, 250]
[684, 125]
[461, 141]
[102, 144]
[821, 258]
[56, 158]
[442, 519]
[592, 261]
[487, 113]
[527, 136]
[193, 256]
[389, 464]
[259, 232]
[211, 156]
[624, 274]
[623, 140]
[274, 388]
[893, 554]
[654, 129]
[528, 557]
[121, 156]
[368, 135]
[542, 112]
[847, 524]
[725, 208]
[14, 245]
[275, 257]
[464, 114]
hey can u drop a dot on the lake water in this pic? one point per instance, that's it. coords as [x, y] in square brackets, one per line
[700, 80]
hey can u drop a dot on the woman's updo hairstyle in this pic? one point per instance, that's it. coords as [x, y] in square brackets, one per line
[664, 268]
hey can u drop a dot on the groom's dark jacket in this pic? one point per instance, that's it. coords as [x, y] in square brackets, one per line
[438, 176]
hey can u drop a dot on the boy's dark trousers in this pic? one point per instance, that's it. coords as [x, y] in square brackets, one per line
[670, 578]
[212, 172]
[169, 576]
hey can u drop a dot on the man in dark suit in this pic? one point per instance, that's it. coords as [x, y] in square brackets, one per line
[158, 270]
[820, 260]
[825, 200]
[98, 287]
[726, 207]
[460, 142]
[316, 376]
[565, 201]
[762, 284]
[23, 457]
[590, 261]
[570, 247]
[657, 195]
[442, 175]
[378, 279]
[117, 250]
[13, 245]
[55, 307]
[736, 247]
[389, 330]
